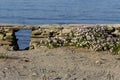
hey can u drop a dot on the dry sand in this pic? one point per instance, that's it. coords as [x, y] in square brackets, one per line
[66, 63]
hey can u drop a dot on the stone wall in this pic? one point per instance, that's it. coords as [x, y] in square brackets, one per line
[7, 38]
[98, 37]
[94, 37]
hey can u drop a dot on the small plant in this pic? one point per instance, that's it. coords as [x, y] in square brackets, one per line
[116, 48]
[9, 38]
[3, 55]
[52, 45]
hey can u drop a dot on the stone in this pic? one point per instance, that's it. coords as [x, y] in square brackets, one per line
[9, 34]
[33, 45]
[36, 32]
[84, 79]
[98, 62]
[27, 60]
[5, 42]
[66, 31]
[117, 28]
[66, 76]
[6, 68]
[9, 38]
[110, 28]
[1, 36]
[7, 30]
[117, 32]
[39, 36]
[16, 47]
[34, 74]
[88, 37]
[10, 48]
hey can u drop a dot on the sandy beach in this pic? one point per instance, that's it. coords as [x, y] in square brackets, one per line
[65, 63]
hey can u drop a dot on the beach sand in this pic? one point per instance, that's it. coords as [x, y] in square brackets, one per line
[65, 63]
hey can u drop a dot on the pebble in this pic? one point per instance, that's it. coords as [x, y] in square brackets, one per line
[98, 62]
[34, 74]
[6, 68]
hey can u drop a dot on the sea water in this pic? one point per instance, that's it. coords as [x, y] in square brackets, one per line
[59, 11]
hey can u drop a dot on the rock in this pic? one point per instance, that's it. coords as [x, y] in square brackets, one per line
[117, 32]
[34, 45]
[98, 62]
[7, 30]
[117, 28]
[9, 38]
[66, 31]
[27, 60]
[36, 32]
[51, 34]
[5, 68]
[5, 42]
[34, 74]
[67, 76]
[57, 78]
[84, 79]
[1, 36]
[9, 34]
[110, 28]
[88, 37]
[39, 36]
[10, 48]
[31, 47]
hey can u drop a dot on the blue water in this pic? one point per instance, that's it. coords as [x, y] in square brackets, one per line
[33, 12]
[59, 11]
[23, 37]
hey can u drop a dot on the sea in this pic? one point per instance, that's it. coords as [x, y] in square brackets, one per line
[35, 12]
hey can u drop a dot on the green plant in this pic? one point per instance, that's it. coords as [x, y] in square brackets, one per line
[52, 45]
[116, 48]
[9, 38]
